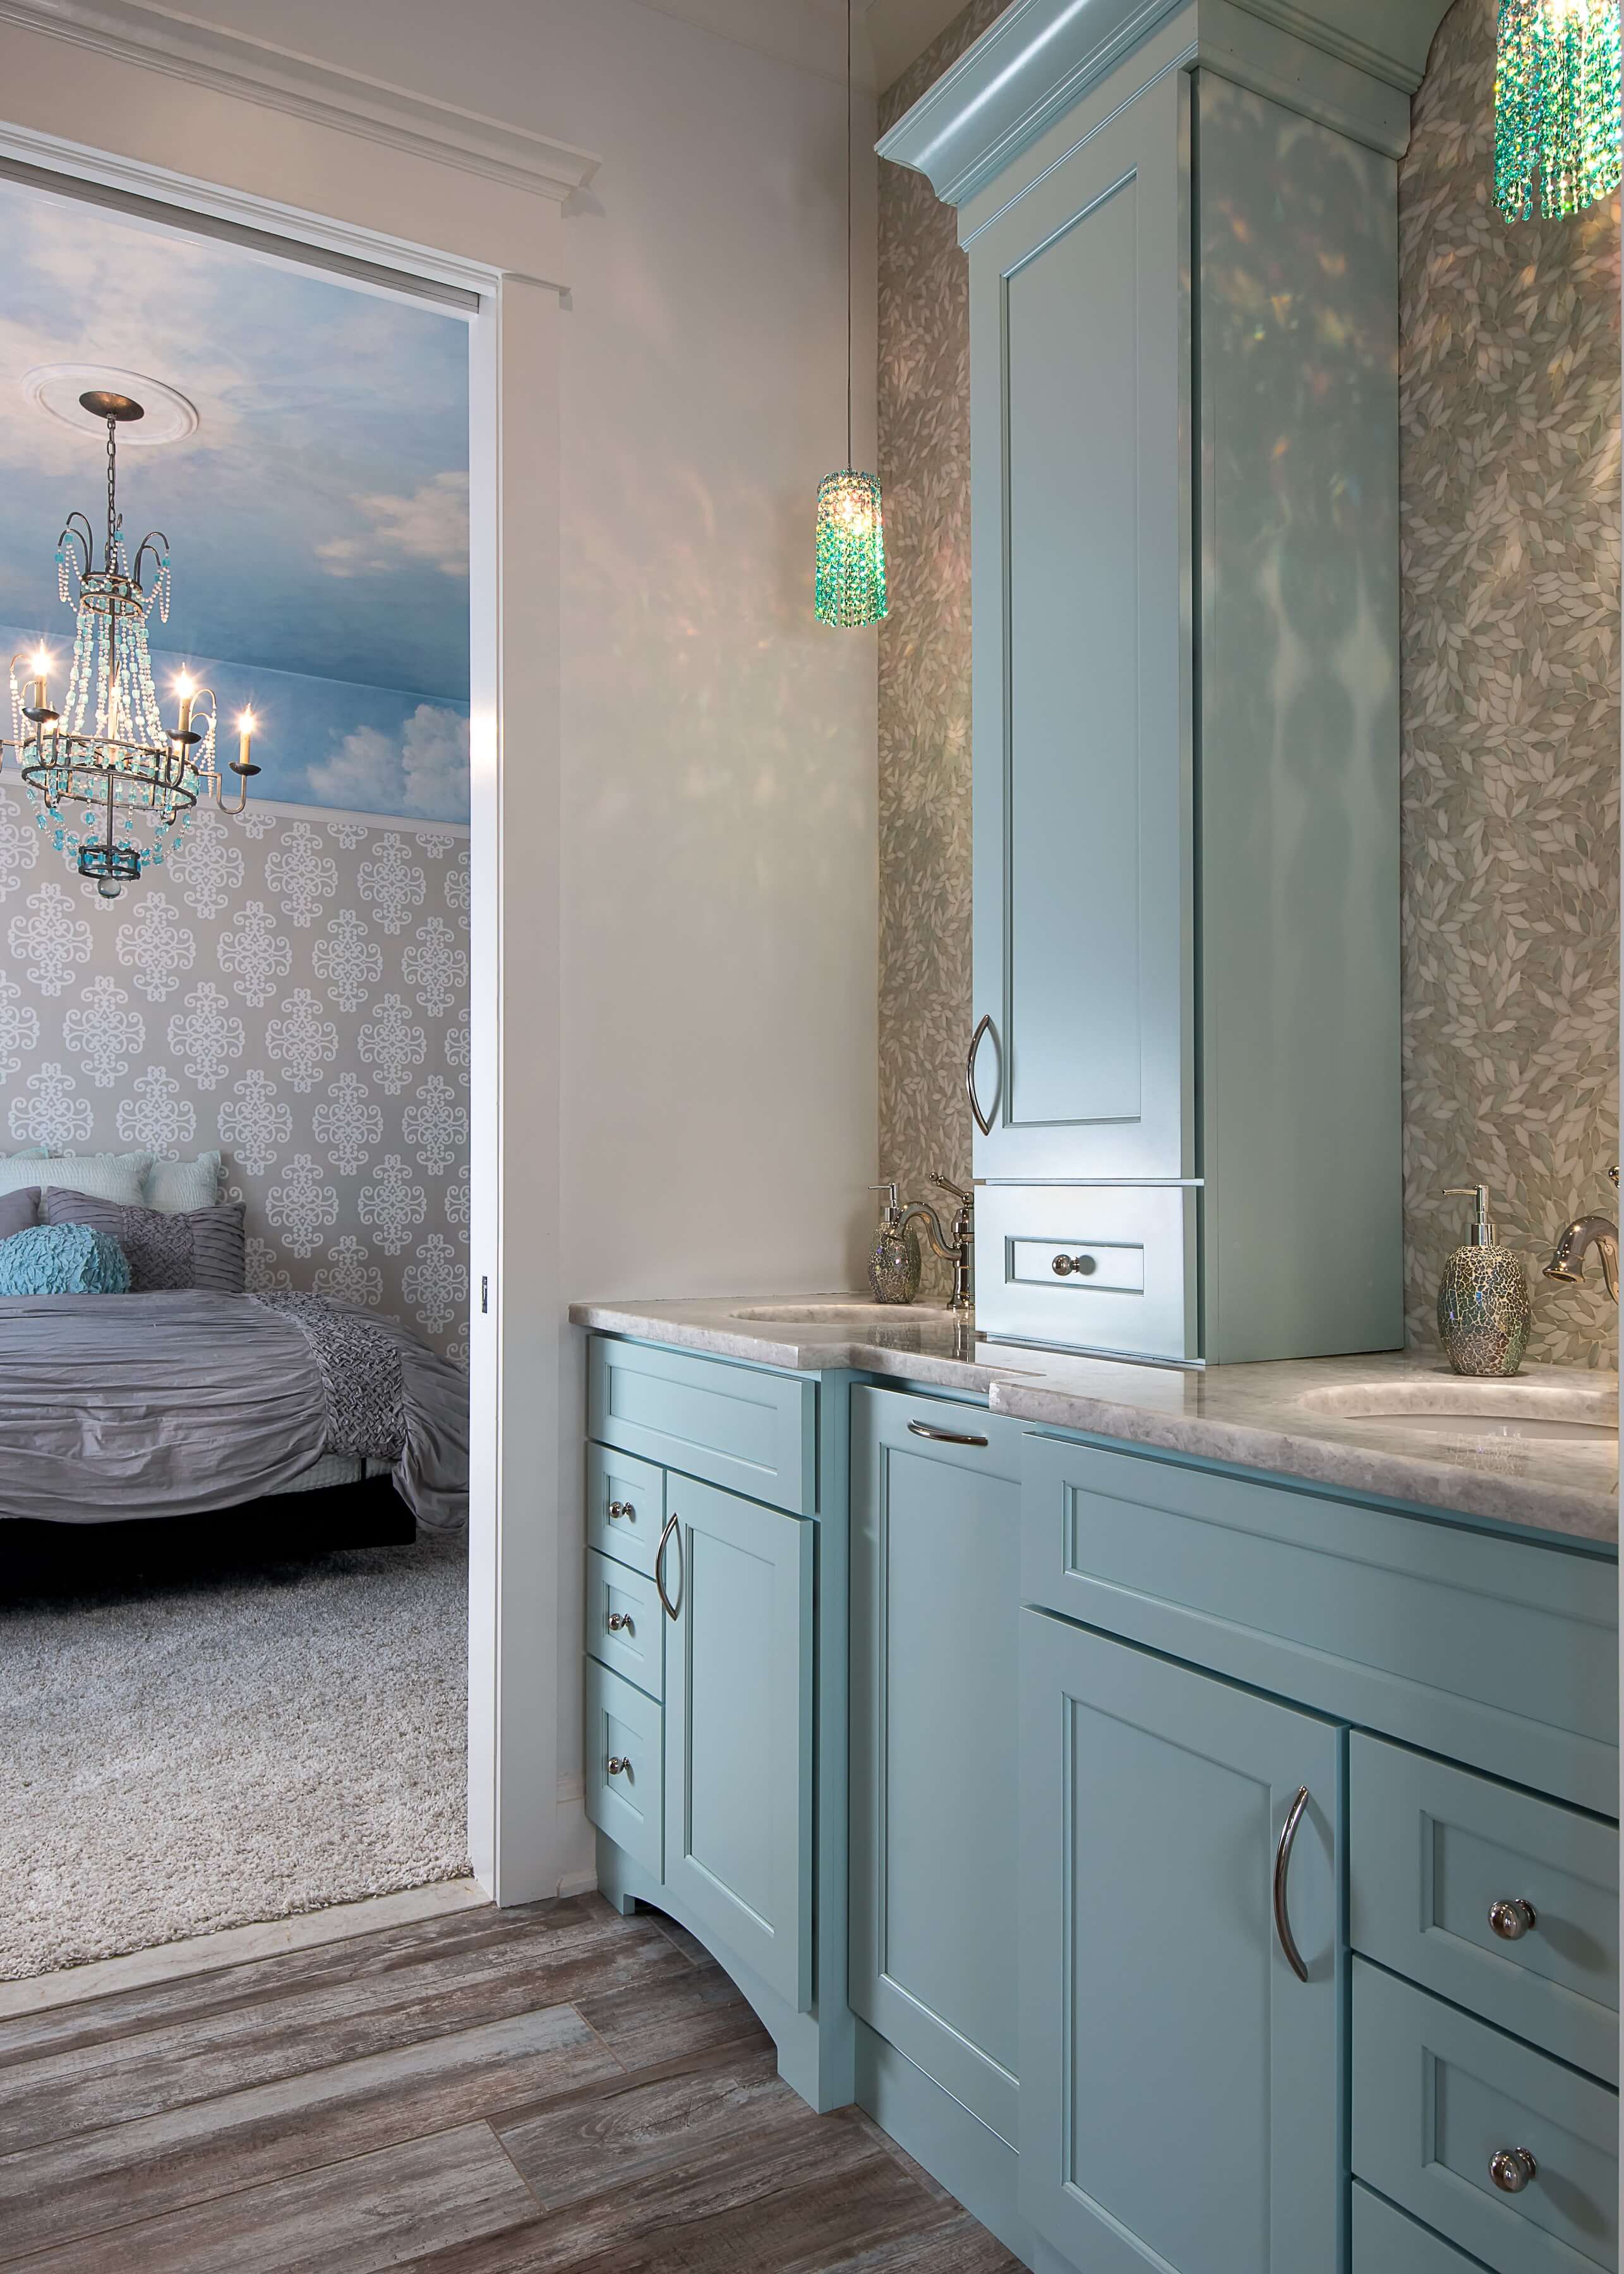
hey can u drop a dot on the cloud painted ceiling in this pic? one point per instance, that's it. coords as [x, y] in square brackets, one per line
[319, 516]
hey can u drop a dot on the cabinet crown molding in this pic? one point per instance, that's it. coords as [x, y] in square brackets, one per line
[279, 78]
[1352, 64]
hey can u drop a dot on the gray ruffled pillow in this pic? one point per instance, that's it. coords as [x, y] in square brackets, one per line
[203, 1248]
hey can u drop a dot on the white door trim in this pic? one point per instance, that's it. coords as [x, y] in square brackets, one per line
[329, 165]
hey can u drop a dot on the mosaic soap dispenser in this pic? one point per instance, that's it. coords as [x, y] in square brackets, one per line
[894, 1258]
[1483, 1310]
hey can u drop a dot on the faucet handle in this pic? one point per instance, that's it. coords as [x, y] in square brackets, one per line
[946, 1184]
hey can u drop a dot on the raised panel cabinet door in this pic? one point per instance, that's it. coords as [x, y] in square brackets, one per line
[739, 1727]
[1079, 449]
[1180, 2086]
[935, 1551]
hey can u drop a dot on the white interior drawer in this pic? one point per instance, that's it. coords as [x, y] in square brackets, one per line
[1089, 1266]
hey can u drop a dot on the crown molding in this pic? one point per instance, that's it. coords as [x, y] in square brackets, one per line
[278, 78]
[1040, 58]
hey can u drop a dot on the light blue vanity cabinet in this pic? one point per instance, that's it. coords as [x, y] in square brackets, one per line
[935, 1564]
[1181, 1978]
[1202, 1648]
[702, 1634]
[1199, 1871]
[1181, 227]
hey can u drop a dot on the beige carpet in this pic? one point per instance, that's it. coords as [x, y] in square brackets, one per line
[197, 1754]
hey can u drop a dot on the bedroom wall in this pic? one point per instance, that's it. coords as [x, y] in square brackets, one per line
[291, 989]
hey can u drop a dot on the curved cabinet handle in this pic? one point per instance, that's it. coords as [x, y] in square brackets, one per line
[666, 1605]
[1283, 1868]
[943, 1436]
[983, 1121]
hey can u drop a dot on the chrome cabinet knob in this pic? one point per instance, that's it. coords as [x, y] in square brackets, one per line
[1512, 2170]
[619, 1623]
[1063, 1266]
[622, 1508]
[618, 1765]
[1511, 1920]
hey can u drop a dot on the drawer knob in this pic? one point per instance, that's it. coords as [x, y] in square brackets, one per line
[622, 1508]
[619, 1623]
[1063, 1266]
[1511, 1920]
[1512, 2170]
[618, 1765]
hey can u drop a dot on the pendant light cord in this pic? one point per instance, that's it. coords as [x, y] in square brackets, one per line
[849, 5]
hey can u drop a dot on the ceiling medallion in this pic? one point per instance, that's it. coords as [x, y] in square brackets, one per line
[61, 390]
[108, 751]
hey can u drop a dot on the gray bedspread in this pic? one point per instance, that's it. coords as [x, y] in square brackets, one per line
[173, 1405]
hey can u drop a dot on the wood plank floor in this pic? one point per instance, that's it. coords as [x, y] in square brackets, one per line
[490, 2092]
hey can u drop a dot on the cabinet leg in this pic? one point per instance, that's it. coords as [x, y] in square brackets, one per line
[611, 1882]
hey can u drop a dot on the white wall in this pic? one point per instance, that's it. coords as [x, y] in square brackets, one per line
[717, 1087]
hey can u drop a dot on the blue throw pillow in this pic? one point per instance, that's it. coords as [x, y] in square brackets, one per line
[63, 1259]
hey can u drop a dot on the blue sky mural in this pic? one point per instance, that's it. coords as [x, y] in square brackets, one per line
[319, 741]
[318, 516]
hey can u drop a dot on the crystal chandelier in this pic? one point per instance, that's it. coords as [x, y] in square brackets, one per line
[108, 751]
[1556, 106]
[849, 584]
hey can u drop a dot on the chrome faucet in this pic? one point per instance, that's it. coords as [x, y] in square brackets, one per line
[957, 1247]
[1583, 1233]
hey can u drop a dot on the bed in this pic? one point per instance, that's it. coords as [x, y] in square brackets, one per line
[183, 1404]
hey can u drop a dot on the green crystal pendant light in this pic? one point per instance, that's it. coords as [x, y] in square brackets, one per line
[1556, 106]
[849, 587]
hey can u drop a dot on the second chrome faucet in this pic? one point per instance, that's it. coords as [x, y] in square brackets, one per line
[957, 1247]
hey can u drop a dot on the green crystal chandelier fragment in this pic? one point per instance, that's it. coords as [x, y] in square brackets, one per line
[850, 584]
[1556, 106]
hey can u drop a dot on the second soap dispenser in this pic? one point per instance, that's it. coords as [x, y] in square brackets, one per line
[1482, 1308]
[894, 1259]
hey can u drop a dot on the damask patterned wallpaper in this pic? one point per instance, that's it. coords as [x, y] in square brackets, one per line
[291, 989]
[1510, 698]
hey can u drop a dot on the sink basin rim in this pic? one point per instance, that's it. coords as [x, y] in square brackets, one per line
[1464, 1405]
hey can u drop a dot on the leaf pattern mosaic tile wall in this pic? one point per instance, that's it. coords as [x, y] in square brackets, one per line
[293, 989]
[1509, 403]
[1510, 698]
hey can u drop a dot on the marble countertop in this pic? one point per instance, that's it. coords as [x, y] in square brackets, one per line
[1307, 1417]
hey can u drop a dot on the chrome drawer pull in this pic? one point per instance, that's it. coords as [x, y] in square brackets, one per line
[618, 1766]
[983, 1121]
[944, 1436]
[1282, 1866]
[619, 1623]
[1512, 2170]
[1063, 1266]
[666, 1605]
[1513, 1920]
[622, 1508]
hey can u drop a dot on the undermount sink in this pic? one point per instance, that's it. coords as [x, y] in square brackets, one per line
[1548, 1413]
[836, 1312]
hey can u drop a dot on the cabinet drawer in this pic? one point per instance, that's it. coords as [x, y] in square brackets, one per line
[1435, 1849]
[624, 1623]
[624, 1727]
[625, 1507]
[1495, 1652]
[1437, 2097]
[1386, 2241]
[1127, 1276]
[741, 1426]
